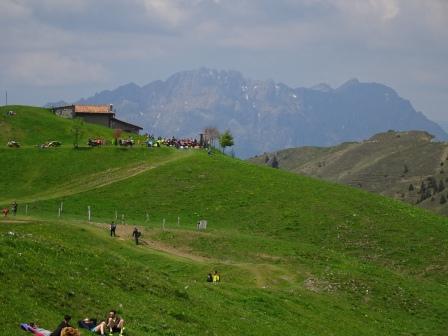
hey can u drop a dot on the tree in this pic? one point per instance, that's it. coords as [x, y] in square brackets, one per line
[411, 187]
[77, 131]
[226, 140]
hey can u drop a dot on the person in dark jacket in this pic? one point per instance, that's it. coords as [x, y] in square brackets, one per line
[62, 325]
[136, 235]
[14, 207]
[113, 227]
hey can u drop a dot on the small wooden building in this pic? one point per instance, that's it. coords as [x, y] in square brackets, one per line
[96, 114]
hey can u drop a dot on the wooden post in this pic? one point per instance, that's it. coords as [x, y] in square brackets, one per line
[26, 210]
[59, 212]
[178, 221]
[62, 207]
[163, 224]
[88, 213]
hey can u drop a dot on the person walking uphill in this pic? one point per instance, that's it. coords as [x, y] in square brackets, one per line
[136, 235]
[113, 227]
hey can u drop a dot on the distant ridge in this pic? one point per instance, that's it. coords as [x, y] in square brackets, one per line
[264, 115]
[409, 166]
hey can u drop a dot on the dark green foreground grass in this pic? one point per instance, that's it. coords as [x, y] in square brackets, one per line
[52, 268]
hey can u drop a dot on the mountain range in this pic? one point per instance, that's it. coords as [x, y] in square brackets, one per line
[262, 115]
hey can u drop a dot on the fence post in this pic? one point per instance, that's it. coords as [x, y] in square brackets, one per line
[59, 212]
[163, 225]
[26, 209]
[62, 207]
[178, 221]
[88, 212]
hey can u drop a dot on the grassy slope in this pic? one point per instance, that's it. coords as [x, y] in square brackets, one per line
[295, 253]
[328, 249]
[34, 173]
[34, 125]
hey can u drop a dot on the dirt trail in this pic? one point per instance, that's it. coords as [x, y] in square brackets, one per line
[265, 275]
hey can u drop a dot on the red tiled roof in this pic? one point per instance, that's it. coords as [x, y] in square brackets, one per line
[92, 109]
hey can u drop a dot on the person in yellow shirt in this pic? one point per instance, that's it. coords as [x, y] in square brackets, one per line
[216, 277]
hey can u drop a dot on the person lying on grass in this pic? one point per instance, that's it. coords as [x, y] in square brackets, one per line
[36, 330]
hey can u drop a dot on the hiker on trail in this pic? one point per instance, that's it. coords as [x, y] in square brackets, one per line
[113, 227]
[62, 325]
[115, 323]
[5, 211]
[136, 234]
[216, 277]
[14, 207]
[209, 278]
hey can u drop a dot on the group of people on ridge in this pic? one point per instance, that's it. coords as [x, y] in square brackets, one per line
[112, 324]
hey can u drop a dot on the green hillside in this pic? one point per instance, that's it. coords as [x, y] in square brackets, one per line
[31, 126]
[408, 166]
[298, 256]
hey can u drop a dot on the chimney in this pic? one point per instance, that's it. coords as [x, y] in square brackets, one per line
[111, 107]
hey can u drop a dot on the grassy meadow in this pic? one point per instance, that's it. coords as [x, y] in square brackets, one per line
[297, 256]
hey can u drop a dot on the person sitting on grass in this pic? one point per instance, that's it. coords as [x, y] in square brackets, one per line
[216, 277]
[88, 323]
[99, 329]
[69, 331]
[115, 323]
[209, 278]
[64, 324]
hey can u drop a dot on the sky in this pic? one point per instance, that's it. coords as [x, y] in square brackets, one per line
[53, 50]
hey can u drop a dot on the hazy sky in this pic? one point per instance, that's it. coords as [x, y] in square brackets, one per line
[68, 49]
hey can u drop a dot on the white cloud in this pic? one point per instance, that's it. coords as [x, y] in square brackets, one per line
[167, 11]
[52, 69]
